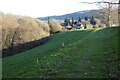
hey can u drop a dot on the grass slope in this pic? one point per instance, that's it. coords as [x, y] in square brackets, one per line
[84, 53]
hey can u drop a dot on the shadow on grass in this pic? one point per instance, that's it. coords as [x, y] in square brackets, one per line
[23, 47]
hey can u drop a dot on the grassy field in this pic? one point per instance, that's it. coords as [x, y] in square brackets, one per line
[90, 53]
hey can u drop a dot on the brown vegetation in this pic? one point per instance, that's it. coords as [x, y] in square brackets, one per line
[20, 29]
[113, 17]
[55, 26]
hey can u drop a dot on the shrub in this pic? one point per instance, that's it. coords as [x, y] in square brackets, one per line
[55, 26]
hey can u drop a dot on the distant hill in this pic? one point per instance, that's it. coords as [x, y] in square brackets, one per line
[82, 14]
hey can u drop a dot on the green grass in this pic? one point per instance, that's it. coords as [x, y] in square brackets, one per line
[90, 53]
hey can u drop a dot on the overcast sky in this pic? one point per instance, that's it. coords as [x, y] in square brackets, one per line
[41, 8]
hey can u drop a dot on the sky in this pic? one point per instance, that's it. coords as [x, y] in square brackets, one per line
[42, 8]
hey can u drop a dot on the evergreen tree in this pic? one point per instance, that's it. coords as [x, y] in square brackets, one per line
[66, 22]
[73, 21]
[69, 23]
[86, 18]
[85, 25]
[48, 20]
[92, 21]
[79, 20]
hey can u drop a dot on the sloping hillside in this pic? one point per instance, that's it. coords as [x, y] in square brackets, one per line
[80, 54]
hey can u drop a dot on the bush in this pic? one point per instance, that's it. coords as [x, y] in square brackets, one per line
[55, 26]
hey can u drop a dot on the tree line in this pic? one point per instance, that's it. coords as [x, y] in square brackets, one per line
[73, 23]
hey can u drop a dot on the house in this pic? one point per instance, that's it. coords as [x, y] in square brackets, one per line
[78, 25]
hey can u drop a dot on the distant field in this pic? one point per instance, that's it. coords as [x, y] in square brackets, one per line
[90, 53]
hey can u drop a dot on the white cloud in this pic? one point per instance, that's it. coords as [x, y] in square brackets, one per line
[38, 8]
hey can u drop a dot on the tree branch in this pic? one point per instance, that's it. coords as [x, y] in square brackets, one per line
[98, 2]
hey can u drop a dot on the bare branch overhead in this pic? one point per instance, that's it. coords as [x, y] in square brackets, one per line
[99, 2]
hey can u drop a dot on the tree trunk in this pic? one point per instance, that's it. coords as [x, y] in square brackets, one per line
[108, 20]
[119, 14]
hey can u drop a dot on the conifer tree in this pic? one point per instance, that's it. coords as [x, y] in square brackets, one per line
[79, 20]
[48, 20]
[86, 18]
[66, 21]
[92, 21]
[72, 21]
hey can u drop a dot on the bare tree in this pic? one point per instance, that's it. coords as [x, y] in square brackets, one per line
[13, 37]
[106, 10]
[119, 13]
